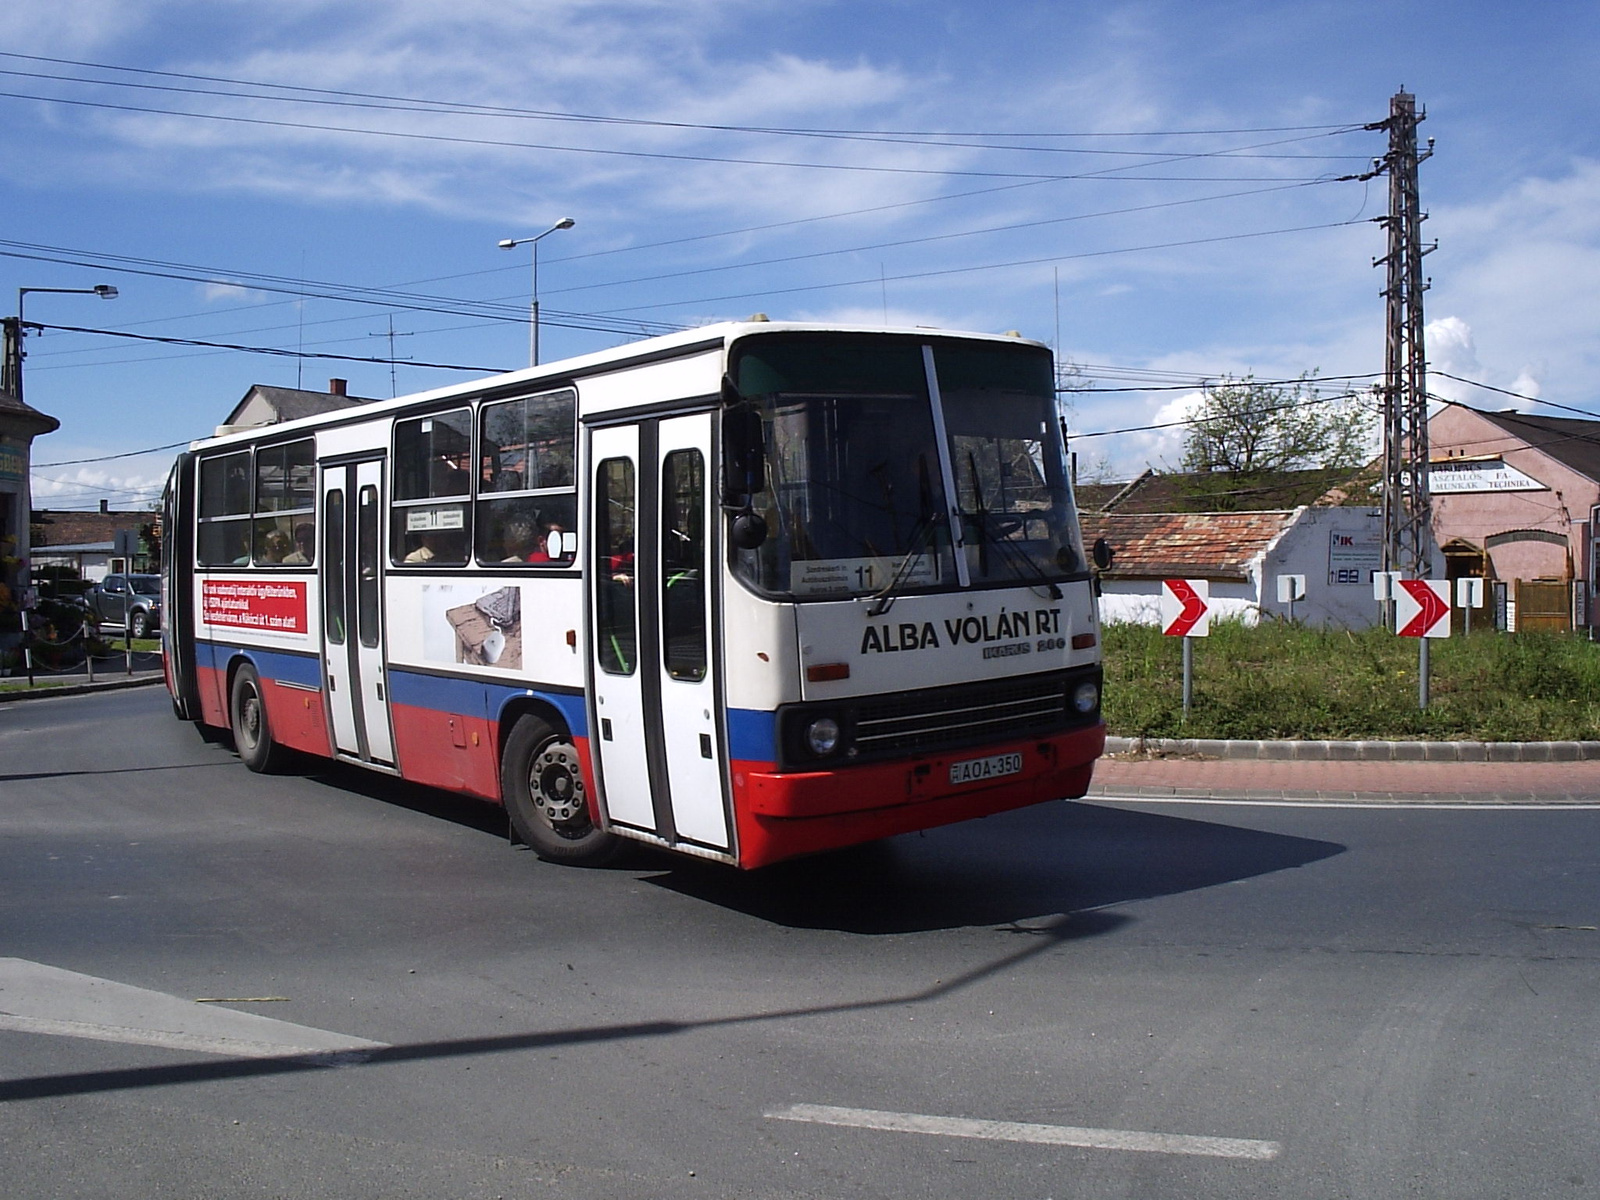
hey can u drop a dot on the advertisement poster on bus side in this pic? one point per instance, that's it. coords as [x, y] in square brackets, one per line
[269, 605]
[473, 625]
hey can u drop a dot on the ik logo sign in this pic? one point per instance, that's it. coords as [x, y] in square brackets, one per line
[1422, 608]
[1185, 607]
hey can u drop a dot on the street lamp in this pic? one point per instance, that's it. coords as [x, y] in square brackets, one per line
[533, 308]
[14, 353]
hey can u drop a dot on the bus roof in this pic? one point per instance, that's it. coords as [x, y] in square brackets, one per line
[672, 345]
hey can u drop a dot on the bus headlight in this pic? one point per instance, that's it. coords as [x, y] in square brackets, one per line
[822, 736]
[1085, 696]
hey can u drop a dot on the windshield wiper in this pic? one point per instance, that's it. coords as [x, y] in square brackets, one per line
[921, 537]
[1014, 556]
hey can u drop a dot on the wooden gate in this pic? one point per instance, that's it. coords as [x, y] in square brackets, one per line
[1544, 607]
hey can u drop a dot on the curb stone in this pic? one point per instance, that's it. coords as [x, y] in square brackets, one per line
[1359, 751]
[82, 689]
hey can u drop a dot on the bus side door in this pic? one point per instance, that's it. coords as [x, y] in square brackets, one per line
[656, 732]
[352, 617]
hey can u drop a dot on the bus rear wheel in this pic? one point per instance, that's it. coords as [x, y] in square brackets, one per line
[541, 779]
[252, 736]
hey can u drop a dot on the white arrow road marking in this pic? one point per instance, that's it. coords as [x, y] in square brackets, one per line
[35, 998]
[1013, 1131]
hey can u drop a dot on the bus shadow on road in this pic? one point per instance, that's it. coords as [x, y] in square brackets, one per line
[1065, 858]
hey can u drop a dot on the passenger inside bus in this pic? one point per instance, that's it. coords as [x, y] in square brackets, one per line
[305, 542]
[519, 541]
[548, 546]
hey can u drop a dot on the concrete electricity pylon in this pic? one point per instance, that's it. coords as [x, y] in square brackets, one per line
[1407, 507]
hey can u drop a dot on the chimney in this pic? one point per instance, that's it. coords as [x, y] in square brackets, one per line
[337, 387]
[105, 506]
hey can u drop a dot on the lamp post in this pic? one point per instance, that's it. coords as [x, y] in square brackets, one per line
[14, 354]
[533, 307]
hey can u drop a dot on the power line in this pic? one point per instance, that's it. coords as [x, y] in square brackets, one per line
[553, 114]
[917, 241]
[175, 341]
[1514, 395]
[1191, 420]
[660, 155]
[461, 109]
[350, 294]
[876, 280]
[75, 462]
[1207, 381]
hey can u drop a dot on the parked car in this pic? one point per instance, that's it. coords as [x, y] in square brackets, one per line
[127, 601]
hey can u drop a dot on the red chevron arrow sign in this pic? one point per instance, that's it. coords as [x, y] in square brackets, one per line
[1185, 607]
[1422, 608]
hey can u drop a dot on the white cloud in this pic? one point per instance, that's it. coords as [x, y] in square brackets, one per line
[219, 293]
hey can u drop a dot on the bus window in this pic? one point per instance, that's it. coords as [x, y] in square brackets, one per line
[683, 557]
[333, 563]
[527, 485]
[615, 622]
[432, 489]
[367, 566]
[223, 537]
[286, 517]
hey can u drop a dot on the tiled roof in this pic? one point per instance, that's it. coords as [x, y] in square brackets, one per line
[57, 528]
[1199, 545]
[290, 404]
[1187, 492]
[1569, 441]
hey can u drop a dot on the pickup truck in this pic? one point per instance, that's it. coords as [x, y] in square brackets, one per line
[127, 601]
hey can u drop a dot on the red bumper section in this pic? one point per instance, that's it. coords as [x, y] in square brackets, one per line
[784, 815]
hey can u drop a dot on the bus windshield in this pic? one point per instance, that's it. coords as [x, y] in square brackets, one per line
[861, 498]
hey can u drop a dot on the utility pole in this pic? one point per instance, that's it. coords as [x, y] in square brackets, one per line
[11, 364]
[391, 335]
[1407, 507]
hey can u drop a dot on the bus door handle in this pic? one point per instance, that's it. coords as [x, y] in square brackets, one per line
[379, 686]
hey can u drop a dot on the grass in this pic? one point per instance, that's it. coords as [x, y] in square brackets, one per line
[1288, 681]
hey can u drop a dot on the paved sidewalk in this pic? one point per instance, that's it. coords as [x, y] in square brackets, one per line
[1412, 782]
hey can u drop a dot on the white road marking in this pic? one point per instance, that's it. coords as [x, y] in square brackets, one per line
[1014, 1131]
[35, 998]
[1413, 805]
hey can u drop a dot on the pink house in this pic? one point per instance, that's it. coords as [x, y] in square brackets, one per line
[1515, 500]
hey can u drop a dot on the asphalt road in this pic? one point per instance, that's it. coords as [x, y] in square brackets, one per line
[1079, 1000]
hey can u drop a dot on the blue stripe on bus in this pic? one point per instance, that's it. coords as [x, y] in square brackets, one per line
[302, 669]
[751, 735]
[478, 697]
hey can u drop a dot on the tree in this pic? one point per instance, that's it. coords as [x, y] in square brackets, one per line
[1246, 436]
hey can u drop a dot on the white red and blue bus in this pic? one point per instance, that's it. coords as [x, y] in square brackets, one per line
[746, 592]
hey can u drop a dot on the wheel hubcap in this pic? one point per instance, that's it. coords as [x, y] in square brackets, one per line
[250, 716]
[556, 786]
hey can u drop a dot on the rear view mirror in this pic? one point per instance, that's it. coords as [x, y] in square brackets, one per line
[1103, 554]
[749, 531]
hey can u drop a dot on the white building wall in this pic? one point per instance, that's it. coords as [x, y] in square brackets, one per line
[1338, 575]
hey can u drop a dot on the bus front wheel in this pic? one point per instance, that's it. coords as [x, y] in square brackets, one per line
[252, 736]
[542, 782]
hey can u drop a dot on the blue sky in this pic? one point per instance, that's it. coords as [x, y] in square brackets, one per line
[1151, 187]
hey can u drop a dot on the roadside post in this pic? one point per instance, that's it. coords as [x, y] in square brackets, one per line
[1469, 595]
[27, 644]
[1186, 613]
[1422, 611]
[1290, 589]
[1385, 587]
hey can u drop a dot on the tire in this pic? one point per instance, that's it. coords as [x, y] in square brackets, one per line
[252, 736]
[139, 624]
[545, 797]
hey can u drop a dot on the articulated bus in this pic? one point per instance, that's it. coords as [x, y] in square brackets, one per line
[747, 592]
